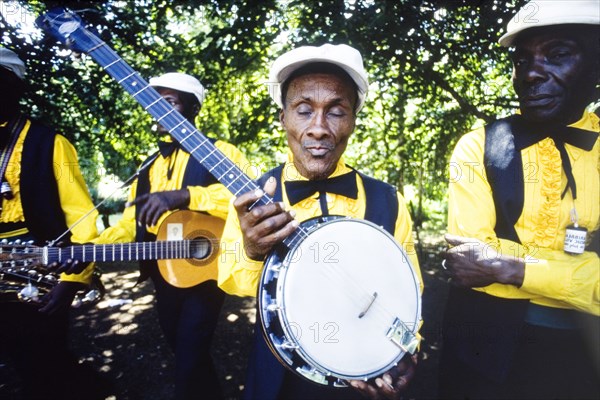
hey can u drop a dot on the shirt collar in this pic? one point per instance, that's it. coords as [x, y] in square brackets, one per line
[578, 134]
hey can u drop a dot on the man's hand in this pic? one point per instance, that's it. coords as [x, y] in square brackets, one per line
[61, 296]
[472, 263]
[153, 205]
[263, 226]
[392, 384]
[68, 267]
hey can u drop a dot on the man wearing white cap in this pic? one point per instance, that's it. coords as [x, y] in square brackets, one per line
[523, 216]
[42, 193]
[320, 90]
[171, 180]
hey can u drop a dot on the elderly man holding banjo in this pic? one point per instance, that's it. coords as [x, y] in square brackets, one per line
[330, 258]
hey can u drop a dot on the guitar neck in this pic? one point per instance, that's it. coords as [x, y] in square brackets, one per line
[137, 251]
[198, 145]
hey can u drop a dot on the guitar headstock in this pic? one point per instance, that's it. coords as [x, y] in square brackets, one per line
[19, 253]
[66, 26]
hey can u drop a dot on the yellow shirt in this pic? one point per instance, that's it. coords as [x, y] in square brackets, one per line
[213, 199]
[72, 190]
[552, 277]
[239, 275]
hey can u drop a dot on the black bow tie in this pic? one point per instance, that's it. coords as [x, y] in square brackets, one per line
[529, 133]
[344, 185]
[167, 148]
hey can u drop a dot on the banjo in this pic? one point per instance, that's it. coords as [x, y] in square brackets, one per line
[338, 299]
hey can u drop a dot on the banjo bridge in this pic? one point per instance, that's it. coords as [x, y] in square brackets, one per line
[403, 337]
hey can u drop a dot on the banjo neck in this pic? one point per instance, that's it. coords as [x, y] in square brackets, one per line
[68, 28]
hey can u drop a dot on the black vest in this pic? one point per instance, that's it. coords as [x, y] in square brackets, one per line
[43, 213]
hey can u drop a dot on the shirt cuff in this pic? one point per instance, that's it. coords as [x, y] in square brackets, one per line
[240, 278]
[83, 277]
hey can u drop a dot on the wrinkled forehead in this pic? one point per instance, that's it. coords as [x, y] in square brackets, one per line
[320, 82]
[321, 86]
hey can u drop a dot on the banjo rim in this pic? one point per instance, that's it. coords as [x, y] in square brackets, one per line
[294, 353]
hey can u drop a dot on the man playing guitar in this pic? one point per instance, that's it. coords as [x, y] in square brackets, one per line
[168, 181]
[38, 203]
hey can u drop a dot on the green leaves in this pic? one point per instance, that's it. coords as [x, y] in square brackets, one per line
[435, 70]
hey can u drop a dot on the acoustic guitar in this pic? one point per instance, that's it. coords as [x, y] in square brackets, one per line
[186, 249]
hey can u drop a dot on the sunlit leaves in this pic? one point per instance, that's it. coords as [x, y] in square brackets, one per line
[435, 68]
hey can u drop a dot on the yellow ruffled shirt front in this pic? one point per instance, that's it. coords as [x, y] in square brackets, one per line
[552, 277]
[74, 197]
[239, 275]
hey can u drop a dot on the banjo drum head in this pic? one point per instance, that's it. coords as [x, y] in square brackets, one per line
[339, 291]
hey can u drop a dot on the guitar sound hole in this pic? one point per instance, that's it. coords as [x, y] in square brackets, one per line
[201, 248]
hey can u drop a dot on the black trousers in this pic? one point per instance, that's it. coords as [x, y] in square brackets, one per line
[188, 317]
[37, 346]
[548, 364]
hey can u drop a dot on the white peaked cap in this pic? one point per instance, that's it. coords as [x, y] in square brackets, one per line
[344, 56]
[179, 81]
[540, 13]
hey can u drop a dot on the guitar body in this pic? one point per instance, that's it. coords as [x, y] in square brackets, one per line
[202, 228]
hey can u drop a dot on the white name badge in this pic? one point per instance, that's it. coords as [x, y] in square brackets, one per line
[575, 238]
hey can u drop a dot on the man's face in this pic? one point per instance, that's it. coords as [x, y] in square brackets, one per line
[12, 90]
[177, 100]
[319, 118]
[552, 76]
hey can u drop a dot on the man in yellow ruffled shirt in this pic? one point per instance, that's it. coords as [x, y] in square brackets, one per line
[320, 90]
[43, 193]
[173, 180]
[523, 219]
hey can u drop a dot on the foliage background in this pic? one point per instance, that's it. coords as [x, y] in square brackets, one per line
[435, 67]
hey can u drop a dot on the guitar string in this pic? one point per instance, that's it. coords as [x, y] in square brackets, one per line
[160, 250]
[101, 47]
[168, 249]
